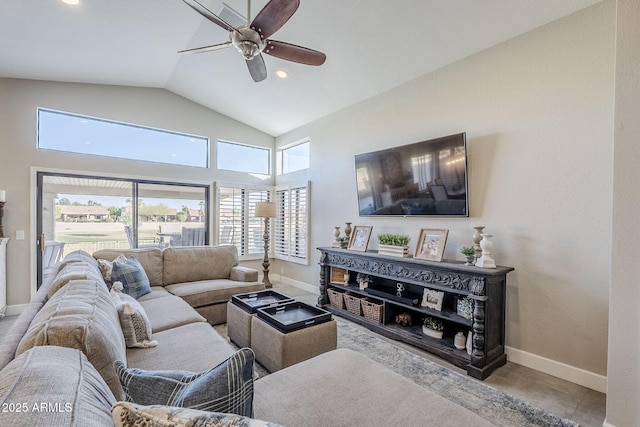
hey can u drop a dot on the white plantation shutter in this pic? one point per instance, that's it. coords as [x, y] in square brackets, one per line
[291, 231]
[237, 224]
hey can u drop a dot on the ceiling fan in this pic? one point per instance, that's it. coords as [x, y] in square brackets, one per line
[252, 39]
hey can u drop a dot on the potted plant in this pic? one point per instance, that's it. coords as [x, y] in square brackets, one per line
[363, 280]
[469, 254]
[432, 327]
[343, 242]
[393, 244]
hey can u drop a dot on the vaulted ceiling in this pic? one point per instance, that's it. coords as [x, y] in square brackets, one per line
[371, 47]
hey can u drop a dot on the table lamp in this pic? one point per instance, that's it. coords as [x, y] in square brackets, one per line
[266, 210]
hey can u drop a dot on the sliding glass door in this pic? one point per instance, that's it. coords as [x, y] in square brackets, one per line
[91, 213]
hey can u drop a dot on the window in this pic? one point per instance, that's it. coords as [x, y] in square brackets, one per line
[291, 232]
[74, 133]
[294, 158]
[80, 212]
[243, 158]
[237, 224]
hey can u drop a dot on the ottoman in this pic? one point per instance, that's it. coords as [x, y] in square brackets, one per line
[276, 350]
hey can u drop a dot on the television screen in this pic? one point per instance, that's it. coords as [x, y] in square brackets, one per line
[425, 178]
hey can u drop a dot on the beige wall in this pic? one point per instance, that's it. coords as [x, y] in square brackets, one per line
[538, 112]
[623, 391]
[158, 108]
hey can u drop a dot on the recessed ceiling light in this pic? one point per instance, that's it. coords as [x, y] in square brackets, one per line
[282, 74]
[71, 2]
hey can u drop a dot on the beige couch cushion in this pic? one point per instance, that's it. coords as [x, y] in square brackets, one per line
[191, 264]
[62, 379]
[150, 259]
[80, 270]
[345, 388]
[207, 292]
[204, 349]
[169, 312]
[81, 315]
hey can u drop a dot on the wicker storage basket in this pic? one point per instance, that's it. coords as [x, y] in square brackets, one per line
[372, 309]
[335, 298]
[353, 304]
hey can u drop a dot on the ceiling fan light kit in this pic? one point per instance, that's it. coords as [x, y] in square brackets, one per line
[252, 40]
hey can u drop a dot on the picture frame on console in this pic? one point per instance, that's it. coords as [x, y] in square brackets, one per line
[360, 236]
[432, 299]
[431, 244]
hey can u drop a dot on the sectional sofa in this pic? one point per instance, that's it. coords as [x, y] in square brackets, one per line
[62, 361]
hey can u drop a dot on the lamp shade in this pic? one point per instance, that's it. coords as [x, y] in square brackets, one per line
[265, 210]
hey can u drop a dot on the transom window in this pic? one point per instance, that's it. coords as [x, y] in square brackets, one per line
[243, 158]
[294, 158]
[74, 133]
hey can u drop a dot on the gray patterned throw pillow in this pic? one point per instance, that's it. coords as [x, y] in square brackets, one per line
[132, 275]
[227, 387]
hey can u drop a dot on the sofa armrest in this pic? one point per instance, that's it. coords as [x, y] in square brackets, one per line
[243, 274]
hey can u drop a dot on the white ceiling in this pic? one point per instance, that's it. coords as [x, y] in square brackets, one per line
[371, 47]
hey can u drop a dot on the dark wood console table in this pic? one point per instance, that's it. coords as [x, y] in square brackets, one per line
[484, 287]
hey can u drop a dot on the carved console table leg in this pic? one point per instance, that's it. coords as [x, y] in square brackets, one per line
[323, 299]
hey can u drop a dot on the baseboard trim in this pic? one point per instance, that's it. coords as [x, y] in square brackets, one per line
[15, 309]
[561, 370]
[304, 286]
[606, 424]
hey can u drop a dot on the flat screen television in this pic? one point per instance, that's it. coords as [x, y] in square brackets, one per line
[427, 178]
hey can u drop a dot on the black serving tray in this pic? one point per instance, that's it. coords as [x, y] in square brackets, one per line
[291, 316]
[252, 301]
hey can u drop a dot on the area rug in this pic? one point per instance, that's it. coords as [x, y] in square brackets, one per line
[491, 404]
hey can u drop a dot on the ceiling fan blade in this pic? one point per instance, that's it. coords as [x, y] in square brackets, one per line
[295, 53]
[273, 16]
[208, 14]
[207, 48]
[257, 69]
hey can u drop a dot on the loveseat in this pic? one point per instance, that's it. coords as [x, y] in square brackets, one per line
[66, 361]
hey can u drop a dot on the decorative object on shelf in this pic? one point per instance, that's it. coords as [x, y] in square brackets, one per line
[343, 242]
[336, 237]
[431, 244]
[404, 319]
[393, 244]
[486, 261]
[432, 327]
[338, 275]
[400, 288]
[469, 343]
[347, 276]
[347, 231]
[363, 280]
[266, 210]
[432, 299]
[460, 341]
[360, 238]
[477, 237]
[3, 197]
[464, 307]
[469, 254]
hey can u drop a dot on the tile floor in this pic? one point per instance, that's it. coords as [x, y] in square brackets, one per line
[563, 398]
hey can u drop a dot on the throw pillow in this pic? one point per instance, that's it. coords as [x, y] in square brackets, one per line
[126, 414]
[134, 322]
[227, 387]
[132, 275]
[106, 267]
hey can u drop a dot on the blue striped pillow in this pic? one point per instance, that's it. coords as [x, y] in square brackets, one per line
[134, 280]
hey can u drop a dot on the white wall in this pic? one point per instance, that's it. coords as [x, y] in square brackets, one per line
[623, 391]
[157, 108]
[538, 112]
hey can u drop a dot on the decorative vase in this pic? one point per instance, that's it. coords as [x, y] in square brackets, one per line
[485, 261]
[470, 259]
[469, 342]
[477, 237]
[431, 333]
[347, 231]
[336, 235]
[460, 341]
[397, 251]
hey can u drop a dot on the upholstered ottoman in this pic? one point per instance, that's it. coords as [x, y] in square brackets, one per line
[243, 307]
[276, 350]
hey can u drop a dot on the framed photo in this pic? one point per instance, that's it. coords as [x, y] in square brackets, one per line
[431, 244]
[338, 275]
[360, 238]
[432, 299]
